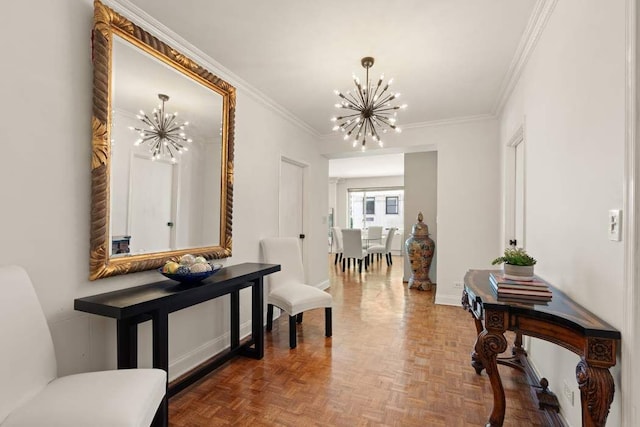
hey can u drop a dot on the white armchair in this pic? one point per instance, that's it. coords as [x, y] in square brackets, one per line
[288, 290]
[32, 395]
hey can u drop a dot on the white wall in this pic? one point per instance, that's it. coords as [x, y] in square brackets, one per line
[571, 100]
[420, 195]
[46, 189]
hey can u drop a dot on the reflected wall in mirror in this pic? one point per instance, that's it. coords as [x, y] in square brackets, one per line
[159, 189]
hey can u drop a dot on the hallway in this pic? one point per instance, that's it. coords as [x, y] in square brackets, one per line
[395, 359]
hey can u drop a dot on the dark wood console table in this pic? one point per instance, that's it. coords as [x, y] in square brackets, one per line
[155, 301]
[560, 321]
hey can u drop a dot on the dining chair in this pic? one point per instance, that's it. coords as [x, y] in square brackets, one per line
[374, 236]
[31, 393]
[352, 248]
[384, 249]
[337, 238]
[288, 290]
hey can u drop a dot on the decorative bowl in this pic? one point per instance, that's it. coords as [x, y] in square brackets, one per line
[191, 278]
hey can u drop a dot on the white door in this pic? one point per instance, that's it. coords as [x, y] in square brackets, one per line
[291, 205]
[515, 200]
[150, 205]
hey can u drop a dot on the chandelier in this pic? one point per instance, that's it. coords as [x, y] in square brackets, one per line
[163, 132]
[369, 112]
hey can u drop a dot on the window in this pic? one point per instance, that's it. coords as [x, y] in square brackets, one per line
[370, 206]
[391, 205]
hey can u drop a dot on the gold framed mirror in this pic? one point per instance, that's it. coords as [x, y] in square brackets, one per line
[161, 182]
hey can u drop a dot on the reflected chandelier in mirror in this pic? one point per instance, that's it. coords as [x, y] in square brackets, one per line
[145, 208]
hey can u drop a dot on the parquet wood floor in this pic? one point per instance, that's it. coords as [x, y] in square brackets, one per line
[395, 359]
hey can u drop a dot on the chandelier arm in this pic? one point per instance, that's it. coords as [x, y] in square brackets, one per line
[351, 127]
[349, 116]
[361, 95]
[174, 142]
[169, 121]
[388, 109]
[351, 97]
[151, 137]
[383, 101]
[386, 122]
[375, 93]
[147, 120]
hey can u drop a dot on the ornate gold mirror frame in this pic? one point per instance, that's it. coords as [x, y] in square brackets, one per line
[108, 23]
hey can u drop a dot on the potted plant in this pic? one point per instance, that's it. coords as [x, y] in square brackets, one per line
[517, 264]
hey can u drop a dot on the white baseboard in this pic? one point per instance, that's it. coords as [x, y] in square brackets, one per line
[198, 355]
[449, 299]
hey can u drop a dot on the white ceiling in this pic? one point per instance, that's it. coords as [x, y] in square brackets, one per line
[448, 58]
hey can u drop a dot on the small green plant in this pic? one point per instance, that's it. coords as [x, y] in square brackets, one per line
[514, 256]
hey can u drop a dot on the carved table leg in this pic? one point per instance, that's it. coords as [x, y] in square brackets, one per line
[596, 393]
[475, 359]
[488, 345]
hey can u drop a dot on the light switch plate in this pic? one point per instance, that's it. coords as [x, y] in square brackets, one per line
[615, 222]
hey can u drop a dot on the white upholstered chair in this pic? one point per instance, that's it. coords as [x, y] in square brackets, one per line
[374, 235]
[384, 249]
[352, 248]
[287, 288]
[32, 395]
[337, 241]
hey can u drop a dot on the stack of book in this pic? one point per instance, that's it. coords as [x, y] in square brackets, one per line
[536, 290]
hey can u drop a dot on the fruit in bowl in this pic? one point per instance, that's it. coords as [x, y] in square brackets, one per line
[189, 269]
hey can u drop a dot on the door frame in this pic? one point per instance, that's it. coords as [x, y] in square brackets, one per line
[630, 345]
[305, 200]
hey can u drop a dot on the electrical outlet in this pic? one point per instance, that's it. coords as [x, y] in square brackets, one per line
[614, 224]
[457, 285]
[568, 393]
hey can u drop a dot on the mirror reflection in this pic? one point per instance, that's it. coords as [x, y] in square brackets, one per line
[165, 194]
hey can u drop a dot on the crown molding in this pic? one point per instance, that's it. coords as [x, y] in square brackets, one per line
[164, 33]
[537, 21]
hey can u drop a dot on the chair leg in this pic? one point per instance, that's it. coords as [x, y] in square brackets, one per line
[292, 332]
[343, 264]
[360, 265]
[328, 330]
[390, 259]
[349, 262]
[340, 256]
[299, 317]
[336, 260]
[162, 414]
[269, 317]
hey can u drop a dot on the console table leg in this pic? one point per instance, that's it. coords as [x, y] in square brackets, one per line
[127, 337]
[257, 316]
[488, 346]
[235, 319]
[160, 338]
[596, 393]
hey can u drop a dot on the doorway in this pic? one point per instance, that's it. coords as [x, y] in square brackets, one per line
[291, 200]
